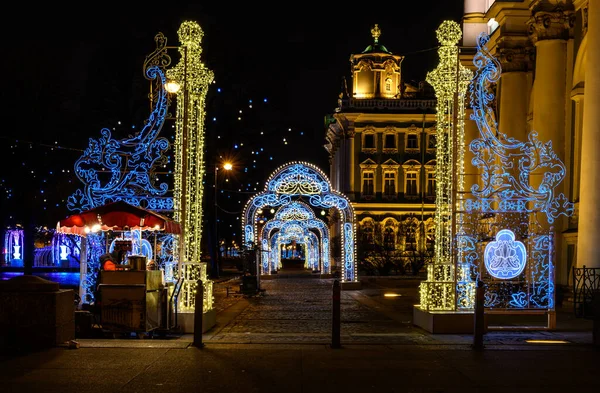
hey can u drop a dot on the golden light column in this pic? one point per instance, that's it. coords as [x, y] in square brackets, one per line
[450, 81]
[194, 79]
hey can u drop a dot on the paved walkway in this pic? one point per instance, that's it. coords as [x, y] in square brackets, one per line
[297, 309]
[279, 341]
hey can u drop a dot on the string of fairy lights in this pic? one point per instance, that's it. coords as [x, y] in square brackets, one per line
[47, 163]
[450, 81]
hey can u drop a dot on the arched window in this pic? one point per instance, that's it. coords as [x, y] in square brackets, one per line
[367, 229]
[389, 238]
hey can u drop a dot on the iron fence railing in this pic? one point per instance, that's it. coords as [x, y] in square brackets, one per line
[586, 281]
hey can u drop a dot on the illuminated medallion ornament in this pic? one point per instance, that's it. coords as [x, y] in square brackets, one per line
[505, 258]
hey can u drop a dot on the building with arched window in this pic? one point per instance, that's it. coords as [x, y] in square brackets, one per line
[381, 145]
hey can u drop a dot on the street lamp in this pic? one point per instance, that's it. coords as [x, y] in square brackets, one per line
[226, 166]
[189, 80]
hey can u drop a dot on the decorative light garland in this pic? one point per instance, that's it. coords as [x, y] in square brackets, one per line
[450, 81]
[191, 273]
[194, 79]
[302, 229]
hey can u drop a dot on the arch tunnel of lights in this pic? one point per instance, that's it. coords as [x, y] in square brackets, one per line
[287, 189]
[295, 223]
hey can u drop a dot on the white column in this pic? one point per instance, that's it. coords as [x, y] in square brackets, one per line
[588, 250]
[472, 6]
[551, 29]
[473, 21]
[549, 99]
[514, 101]
[514, 88]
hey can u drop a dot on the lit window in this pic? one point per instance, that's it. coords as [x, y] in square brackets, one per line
[411, 184]
[369, 142]
[432, 141]
[388, 85]
[412, 142]
[368, 183]
[390, 141]
[431, 183]
[389, 184]
[367, 229]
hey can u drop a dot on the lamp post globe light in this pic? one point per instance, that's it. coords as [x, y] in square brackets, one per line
[217, 263]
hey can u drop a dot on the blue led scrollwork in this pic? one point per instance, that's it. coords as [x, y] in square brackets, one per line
[349, 254]
[298, 179]
[491, 299]
[114, 170]
[325, 255]
[500, 157]
[519, 181]
[96, 246]
[519, 300]
[265, 259]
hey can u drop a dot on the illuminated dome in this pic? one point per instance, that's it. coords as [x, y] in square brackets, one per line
[376, 71]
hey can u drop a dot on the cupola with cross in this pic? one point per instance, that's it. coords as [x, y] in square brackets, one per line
[376, 71]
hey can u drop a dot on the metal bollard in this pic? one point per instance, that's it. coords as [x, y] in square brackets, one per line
[596, 325]
[478, 317]
[336, 320]
[198, 312]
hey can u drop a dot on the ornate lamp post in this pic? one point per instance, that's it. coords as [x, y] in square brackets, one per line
[194, 78]
[450, 81]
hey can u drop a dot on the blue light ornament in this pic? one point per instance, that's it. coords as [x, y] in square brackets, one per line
[506, 257]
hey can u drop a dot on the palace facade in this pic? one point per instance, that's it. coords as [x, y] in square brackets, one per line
[381, 142]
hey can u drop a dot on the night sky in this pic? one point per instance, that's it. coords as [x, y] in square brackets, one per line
[69, 73]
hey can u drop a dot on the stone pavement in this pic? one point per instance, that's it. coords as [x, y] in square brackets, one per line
[297, 309]
[279, 340]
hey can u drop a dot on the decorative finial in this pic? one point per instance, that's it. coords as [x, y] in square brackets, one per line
[449, 33]
[376, 32]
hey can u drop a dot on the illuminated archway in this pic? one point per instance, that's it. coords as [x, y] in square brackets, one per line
[300, 179]
[301, 214]
[300, 231]
[295, 232]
